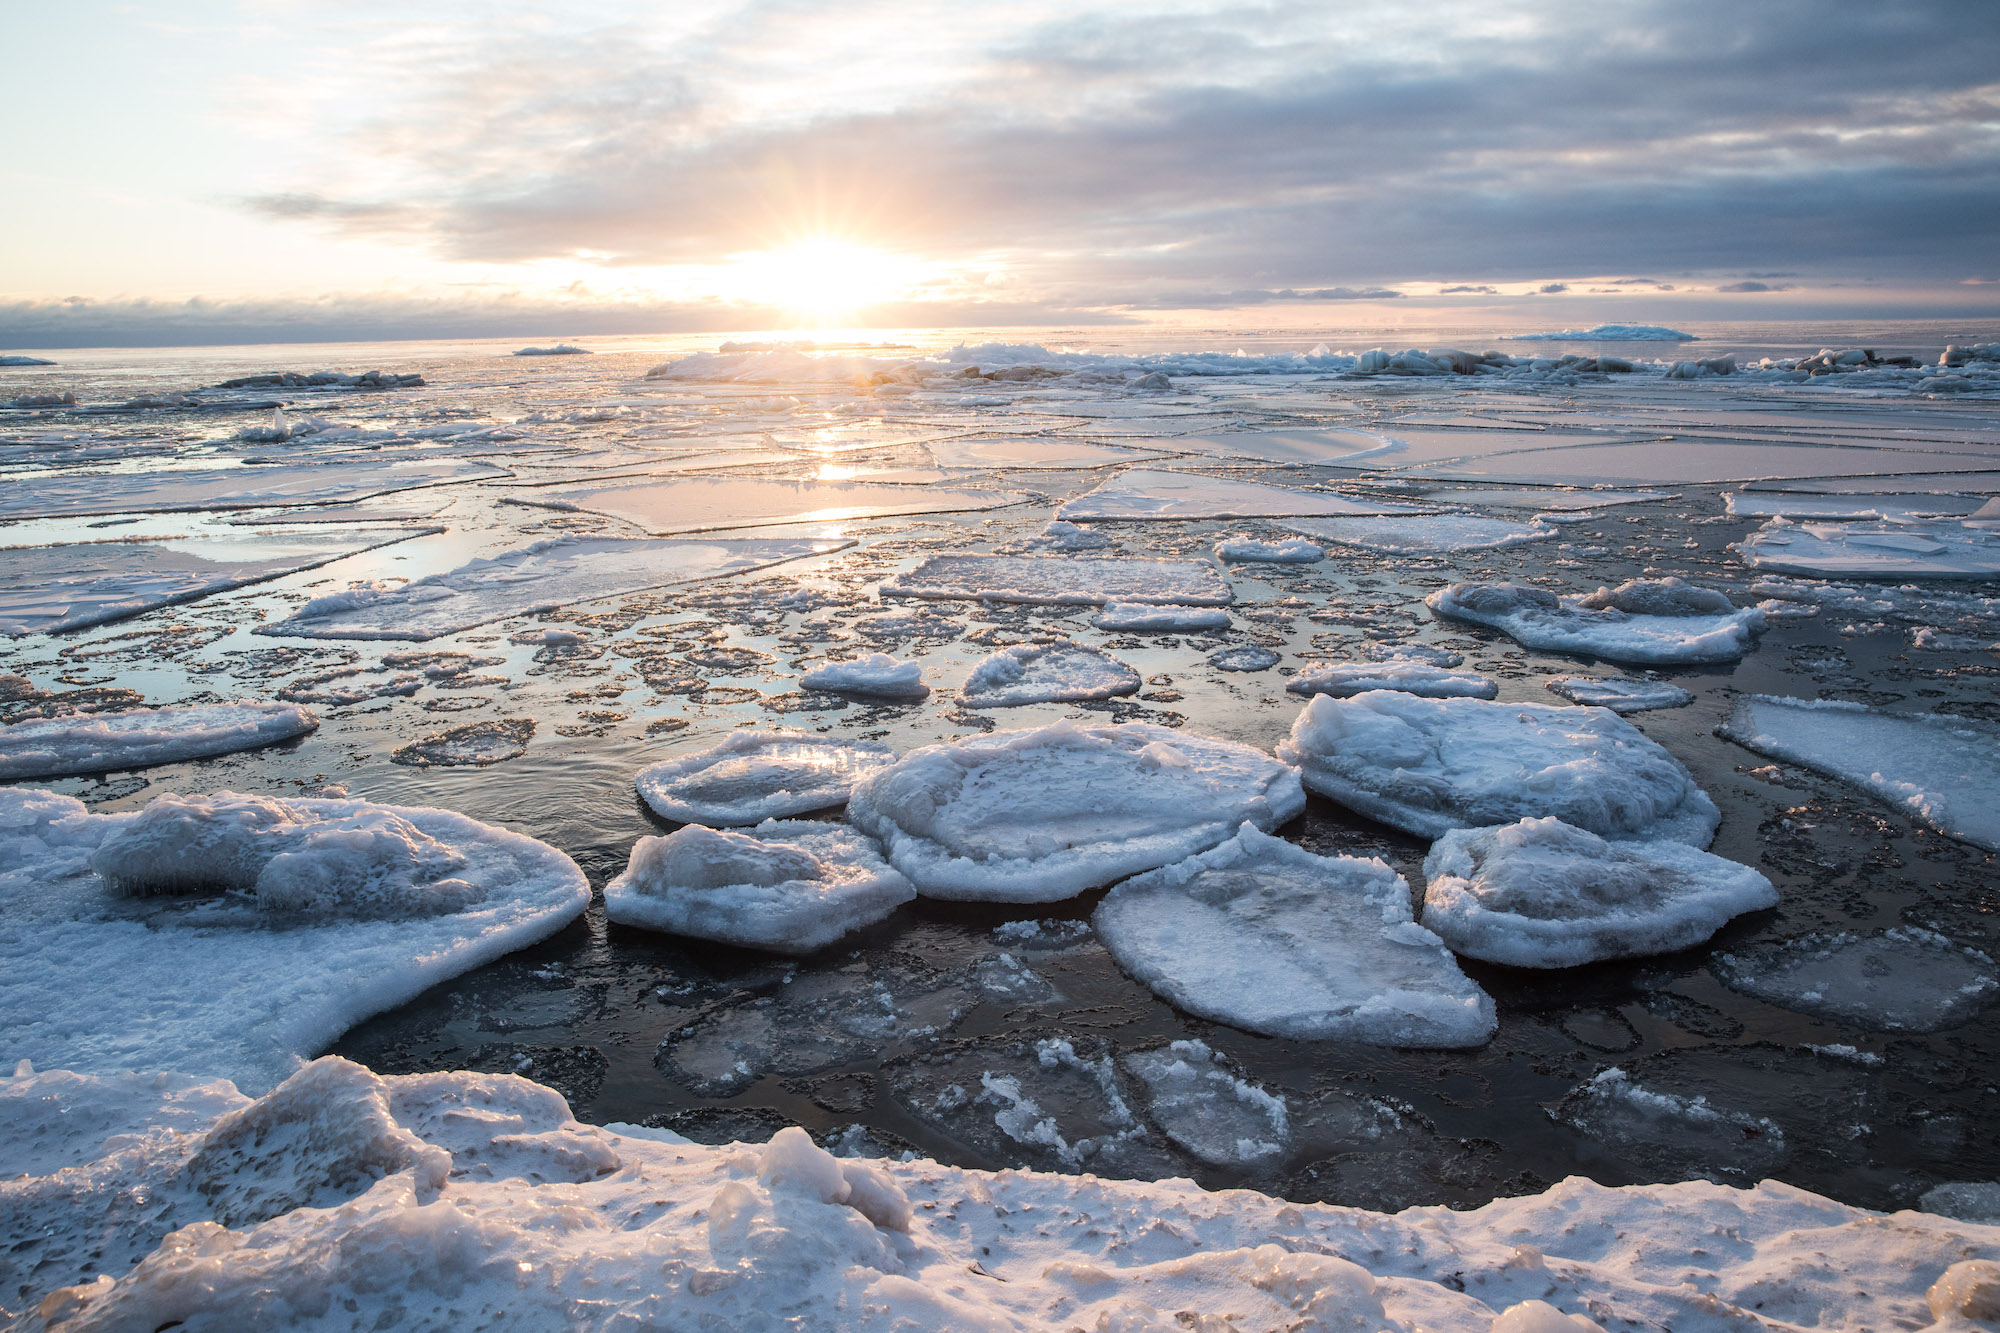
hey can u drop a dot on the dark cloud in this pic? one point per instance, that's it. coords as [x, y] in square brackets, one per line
[1551, 288]
[1755, 287]
[1480, 290]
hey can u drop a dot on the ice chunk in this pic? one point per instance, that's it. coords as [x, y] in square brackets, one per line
[876, 676]
[1064, 536]
[473, 745]
[24, 361]
[1433, 765]
[1263, 935]
[1425, 535]
[1345, 679]
[1933, 550]
[1038, 816]
[1621, 694]
[540, 577]
[1246, 657]
[1940, 770]
[1968, 1200]
[1660, 1131]
[1202, 1106]
[1542, 893]
[1902, 980]
[1140, 618]
[753, 776]
[1142, 495]
[1298, 552]
[1641, 620]
[693, 504]
[76, 494]
[144, 737]
[1059, 672]
[1062, 580]
[788, 886]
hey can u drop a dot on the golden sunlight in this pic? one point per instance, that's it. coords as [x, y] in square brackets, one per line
[822, 283]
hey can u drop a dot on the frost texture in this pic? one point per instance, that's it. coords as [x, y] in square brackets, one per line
[757, 775]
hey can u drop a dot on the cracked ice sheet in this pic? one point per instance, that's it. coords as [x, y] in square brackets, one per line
[535, 578]
[1936, 550]
[698, 503]
[1063, 580]
[1557, 501]
[1679, 461]
[1036, 454]
[247, 487]
[54, 588]
[1424, 535]
[1282, 447]
[1147, 496]
[1854, 505]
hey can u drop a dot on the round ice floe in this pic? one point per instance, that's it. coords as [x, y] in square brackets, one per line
[144, 737]
[1904, 979]
[1621, 694]
[876, 676]
[1037, 816]
[1059, 672]
[1141, 617]
[1432, 765]
[789, 886]
[1263, 935]
[1248, 657]
[757, 775]
[1297, 551]
[1641, 620]
[1541, 893]
[1206, 1109]
[1345, 679]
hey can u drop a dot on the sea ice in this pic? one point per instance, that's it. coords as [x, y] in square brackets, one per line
[692, 504]
[24, 361]
[1140, 618]
[1432, 765]
[1645, 333]
[560, 349]
[1210, 1112]
[540, 577]
[788, 885]
[1345, 679]
[1850, 506]
[244, 932]
[1038, 816]
[1141, 495]
[1062, 580]
[876, 676]
[1641, 620]
[1296, 552]
[1941, 770]
[473, 745]
[1244, 657]
[1033, 454]
[1621, 694]
[144, 737]
[1284, 447]
[1059, 672]
[1063, 536]
[1558, 501]
[1442, 533]
[1931, 550]
[1542, 893]
[79, 494]
[1660, 1131]
[1263, 935]
[1902, 980]
[753, 776]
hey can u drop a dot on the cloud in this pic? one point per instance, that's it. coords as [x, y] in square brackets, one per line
[1551, 288]
[1478, 290]
[1756, 287]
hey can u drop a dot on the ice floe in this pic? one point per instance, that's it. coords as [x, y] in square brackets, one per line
[1062, 580]
[1192, 1095]
[1542, 893]
[1661, 1131]
[752, 776]
[1937, 549]
[1621, 694]
[1038, 816]
[876, 676]
[1425, 535]
[1296, 552]
[1142, 495]
[1902, 980]
[1901, 508]
[144, 737]
[1266, 936]
[1059, 672]
[1939, 770]
[539, 577]
[1342, 448]
[80, 494]
[1641, 620]
[245, 931]
[1558, 501]
[787, 886]
[1143, 618]
[1346, 679]
[694, 504]
[1433, 765]
[473, 745]
[1244, 657]
[1035, 454]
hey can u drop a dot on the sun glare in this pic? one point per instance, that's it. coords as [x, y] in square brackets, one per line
[821, 284]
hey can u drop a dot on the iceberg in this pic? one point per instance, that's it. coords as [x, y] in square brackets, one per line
[1059, 672]
[1648, 621]
[1139, 495]
[73, 743]
[1062, 580]
[13, 360]
[1346, 679]
[753, 776]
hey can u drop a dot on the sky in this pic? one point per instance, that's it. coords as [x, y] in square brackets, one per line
[223, 171]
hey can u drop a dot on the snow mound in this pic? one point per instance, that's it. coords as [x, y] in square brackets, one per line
[1902, 980]
[1345, 679]
[1038, 816]
[144, 737]
[1139, 495]
[753, 776]
[1621, 694]
[1940, 770]
[1938, 549]
[1195, 1099]
[1062, 580]
[876, 676]
[1432, 765]
[1542, 893]
[1059, 672]
[787, 886]
[1296, 552]
[243, 931]
[1427, 535]
[1140, 618]
[1642, 333]
[1263, 935]
[1641, 620]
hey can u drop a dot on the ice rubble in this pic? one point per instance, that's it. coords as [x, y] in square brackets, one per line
[1142, 618]
[1140, 495]
[1541, 893]
[1061, 672]
[752, 776]
[1902, 980]
[1621, 694]
[144, 737]
[1220, 1118]
[788, 885]
[1940, 770]
[692, 504]
[1059, 535]
[1433, 765]
[1641, 620]
[560, 349]
[1296, 552]
[1038, 816]
[538, 577]
[246, 931]
[1608, 333]
[81, 494]
[1425, 535]
[876, 676]
[1938, 549]
[1062, 580]
[1345, 679]
[1263, 935]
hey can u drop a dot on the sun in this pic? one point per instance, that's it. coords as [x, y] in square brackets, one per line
[821, 284]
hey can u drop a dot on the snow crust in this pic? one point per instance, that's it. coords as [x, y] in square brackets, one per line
[752, 776]
[1935, 549]
[1641, 620]
[1902, 980]
[1621, 694]
[1059, 672]
[877, 676]
[1142, 617]
[1541, 893]
[1265, 936]
[1297, 552]
[1143, 495]
[787, 886]
[1346, 679]
[144, 737]
[1424, 535]
[1042, 815]
[1062, 580]
[1432, 765]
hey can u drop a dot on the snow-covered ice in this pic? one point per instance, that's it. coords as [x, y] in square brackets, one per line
[1425, 535]
[755, 775]
[1211, 1112]
[1059, 672]
[1621, 694]
[1542, 893]
[1940, 770]
[695, 504]
[876, 676]
[1295, 552]
[1264, 935]
[1938, 549]
[1143, 617]
[789, 886]
[1245, 657]
[1345, 679]
[1038, 816]
[1141, 495]
[144, 737]
[1060, 535]
[1902, 980]
[1641, 620]
[1062, 580]
[1433, 765]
